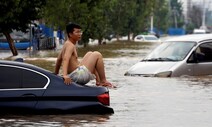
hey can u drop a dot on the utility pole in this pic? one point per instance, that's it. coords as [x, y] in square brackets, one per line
[170, 11]
[203, 15]
[175, 16]
[152, 19]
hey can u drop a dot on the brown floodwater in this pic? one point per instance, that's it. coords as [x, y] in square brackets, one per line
[137, 101]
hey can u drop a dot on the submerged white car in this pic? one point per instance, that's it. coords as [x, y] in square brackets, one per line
[146, 38]
[184, 55]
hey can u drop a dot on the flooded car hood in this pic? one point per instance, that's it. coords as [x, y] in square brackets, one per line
[150, 68]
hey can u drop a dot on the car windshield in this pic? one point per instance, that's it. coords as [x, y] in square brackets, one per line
[151, 38]
[170, 51]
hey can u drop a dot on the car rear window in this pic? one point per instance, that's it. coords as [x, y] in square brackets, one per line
[12, 77]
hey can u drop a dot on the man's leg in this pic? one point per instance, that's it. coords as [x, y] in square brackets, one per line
[97, 77]
[85, 58]
[94, 62]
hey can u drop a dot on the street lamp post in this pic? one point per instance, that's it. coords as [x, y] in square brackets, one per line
[151, 27]
[175, 16]
[203, 15]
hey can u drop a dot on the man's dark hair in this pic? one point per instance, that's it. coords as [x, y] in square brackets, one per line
[70, 28]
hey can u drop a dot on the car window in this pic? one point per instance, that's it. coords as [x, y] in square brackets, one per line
[9, 77]
[13, 77]
[204, 52]
[151, 38]
[33, 80]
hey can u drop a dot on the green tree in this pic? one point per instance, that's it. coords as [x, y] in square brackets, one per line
[130, 17]
[144, 10]
[88, 13]
[100, 18]
[160, 12]
[17, 15]
[59, 13]
[117, 14]
[176, 13]
[96, 21]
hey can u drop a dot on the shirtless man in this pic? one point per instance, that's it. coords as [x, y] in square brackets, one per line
[91, 67]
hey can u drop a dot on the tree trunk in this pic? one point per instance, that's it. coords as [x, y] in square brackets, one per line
[128, 36]
[84, 44]
[117, 37]
[11, 44]
[99, 41]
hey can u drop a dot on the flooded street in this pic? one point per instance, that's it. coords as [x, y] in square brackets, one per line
[138, 101]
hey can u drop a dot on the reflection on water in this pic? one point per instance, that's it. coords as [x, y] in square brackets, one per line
[203, 81]
[53, 120]
[138, 101]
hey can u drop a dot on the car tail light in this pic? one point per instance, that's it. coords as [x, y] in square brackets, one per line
[104, 99]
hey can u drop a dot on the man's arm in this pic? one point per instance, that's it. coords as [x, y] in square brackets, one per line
[66, 59]
[58, 64]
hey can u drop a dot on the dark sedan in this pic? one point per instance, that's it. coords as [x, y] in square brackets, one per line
[25, 88]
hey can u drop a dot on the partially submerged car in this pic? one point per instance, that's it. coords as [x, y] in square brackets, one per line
[199, 31]
[25, 88]
[146, 38]
[189, 55]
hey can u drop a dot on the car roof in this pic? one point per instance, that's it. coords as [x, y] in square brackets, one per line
[23, 64]
[192, 37]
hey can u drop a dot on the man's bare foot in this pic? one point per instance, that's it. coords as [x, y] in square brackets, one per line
[97, 83]
[106, 84]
